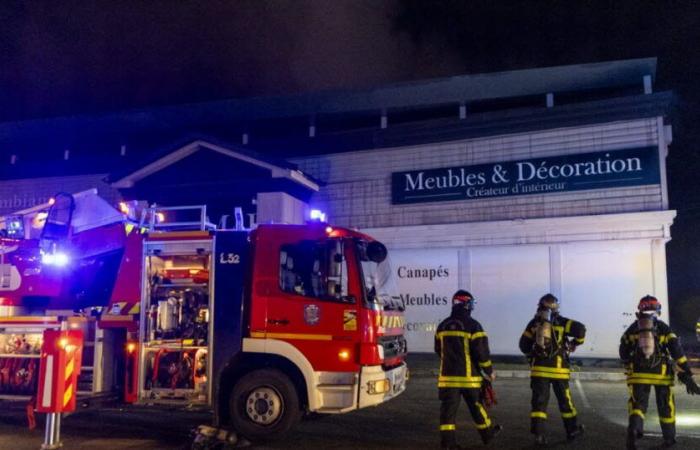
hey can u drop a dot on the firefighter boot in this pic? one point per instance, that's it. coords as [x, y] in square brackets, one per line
[488, 434]
[448, 441]
[634, 431]
[574, 431]
[668, 430]
[451, 446]
[541, 440]
[537, 428]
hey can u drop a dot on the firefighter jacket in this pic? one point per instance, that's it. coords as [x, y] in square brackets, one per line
[552, 361]
[697, 330]
[657, 369]
[463, 347]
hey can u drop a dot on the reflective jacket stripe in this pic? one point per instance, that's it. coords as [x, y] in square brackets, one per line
[655, 376]
[458, 379]
[464, 334]
[555, 376]
[464, 385]
[550, 369]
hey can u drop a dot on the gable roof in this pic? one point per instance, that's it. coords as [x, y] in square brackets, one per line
[278, 168]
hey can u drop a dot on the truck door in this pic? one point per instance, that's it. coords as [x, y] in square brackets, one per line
[315, 304]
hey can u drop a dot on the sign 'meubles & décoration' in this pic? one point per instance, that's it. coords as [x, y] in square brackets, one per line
[596, 170]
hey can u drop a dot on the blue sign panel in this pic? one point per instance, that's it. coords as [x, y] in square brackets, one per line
[597, 170]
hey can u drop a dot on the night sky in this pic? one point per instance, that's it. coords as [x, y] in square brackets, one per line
[67, 57]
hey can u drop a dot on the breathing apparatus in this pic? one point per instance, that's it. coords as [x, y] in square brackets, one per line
[649, 309]
[547, 311]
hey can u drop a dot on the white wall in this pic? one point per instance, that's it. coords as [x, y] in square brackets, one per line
[508, 281]
[599, 266]
[427, 279]
[602, 284]
[280, 207]
[598, 283]
[357, 185]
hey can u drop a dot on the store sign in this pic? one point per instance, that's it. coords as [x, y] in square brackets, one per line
[597, 170]
[426, 280]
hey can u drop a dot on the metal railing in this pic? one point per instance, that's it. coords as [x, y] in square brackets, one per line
[155, 218]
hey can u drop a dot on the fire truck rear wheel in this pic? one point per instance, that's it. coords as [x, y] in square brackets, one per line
[264, 405]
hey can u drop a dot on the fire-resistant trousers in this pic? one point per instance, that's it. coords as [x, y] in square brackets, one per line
[449, 404]
[665, 405]
[540, 399]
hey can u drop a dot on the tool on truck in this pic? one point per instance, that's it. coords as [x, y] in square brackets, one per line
[260, 325]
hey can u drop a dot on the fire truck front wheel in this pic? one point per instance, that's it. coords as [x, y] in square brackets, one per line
[264, 404]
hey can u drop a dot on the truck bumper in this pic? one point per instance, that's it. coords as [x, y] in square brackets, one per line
[378, 385]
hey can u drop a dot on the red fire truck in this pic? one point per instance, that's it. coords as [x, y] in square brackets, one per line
[260, 325]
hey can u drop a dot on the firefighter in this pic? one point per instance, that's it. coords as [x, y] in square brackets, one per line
[651, 353]
[547, 342]
[463, 347]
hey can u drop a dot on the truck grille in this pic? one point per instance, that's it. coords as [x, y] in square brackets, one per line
[393, 346]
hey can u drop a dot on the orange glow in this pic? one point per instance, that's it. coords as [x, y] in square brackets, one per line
[329, 230]
[52, 201]
[160, 217]
[344, 355]
[130, 347]
[124, 208]
[63, 342]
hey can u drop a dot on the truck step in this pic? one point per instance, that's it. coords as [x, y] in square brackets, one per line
[336, 387]
[327, 410]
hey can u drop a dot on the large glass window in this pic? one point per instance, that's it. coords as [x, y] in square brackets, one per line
[315, 269]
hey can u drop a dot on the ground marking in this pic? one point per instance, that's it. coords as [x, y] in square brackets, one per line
[579, 386]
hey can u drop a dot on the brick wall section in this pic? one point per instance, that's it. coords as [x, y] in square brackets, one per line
[25, 193]
[358, 190]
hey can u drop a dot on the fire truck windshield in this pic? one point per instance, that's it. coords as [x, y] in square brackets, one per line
[381, 290]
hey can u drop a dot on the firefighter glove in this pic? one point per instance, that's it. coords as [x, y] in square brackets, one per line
[487, 395]
[690, 385]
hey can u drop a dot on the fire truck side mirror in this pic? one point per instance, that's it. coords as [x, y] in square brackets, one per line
[376, 252]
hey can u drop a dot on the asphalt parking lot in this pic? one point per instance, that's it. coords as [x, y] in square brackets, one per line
[408, 422]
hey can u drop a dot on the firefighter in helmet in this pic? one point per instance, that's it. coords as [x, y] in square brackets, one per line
[651, 353]
[463, 347]
[547, 342]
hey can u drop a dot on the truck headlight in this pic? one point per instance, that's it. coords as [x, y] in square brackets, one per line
[379, 386]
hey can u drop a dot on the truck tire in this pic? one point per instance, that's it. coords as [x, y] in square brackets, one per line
[264, 405]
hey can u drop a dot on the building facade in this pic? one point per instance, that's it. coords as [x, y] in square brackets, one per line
[509, 185]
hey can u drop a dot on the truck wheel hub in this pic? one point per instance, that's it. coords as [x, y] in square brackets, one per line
[264, 405]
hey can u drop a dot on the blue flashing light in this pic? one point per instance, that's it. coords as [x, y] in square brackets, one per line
[317, 214]
[55, 259]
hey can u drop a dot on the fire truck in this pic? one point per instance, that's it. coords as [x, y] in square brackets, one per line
[260, 325]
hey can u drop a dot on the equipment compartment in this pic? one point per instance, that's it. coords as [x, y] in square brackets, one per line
[176, 322]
